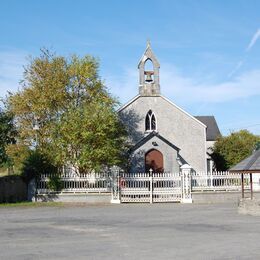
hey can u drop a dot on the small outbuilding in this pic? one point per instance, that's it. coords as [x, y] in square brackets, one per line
[250, 165]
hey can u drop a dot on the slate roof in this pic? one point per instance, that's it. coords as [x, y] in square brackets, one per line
[212, 131]
[251, 163]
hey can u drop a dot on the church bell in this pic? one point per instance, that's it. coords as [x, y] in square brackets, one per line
[148, 75]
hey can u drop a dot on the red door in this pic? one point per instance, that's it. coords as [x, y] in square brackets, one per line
[154, 161]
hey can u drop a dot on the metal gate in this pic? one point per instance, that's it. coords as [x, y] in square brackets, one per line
[150, 187]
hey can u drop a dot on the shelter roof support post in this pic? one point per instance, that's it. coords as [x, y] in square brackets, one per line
[242, 185]
[251, 186]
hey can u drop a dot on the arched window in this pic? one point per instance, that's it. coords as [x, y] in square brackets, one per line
[150, 121]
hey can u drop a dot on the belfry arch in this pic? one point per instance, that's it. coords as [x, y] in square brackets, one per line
[149, 73]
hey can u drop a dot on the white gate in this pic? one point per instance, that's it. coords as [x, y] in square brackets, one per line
[150, 187]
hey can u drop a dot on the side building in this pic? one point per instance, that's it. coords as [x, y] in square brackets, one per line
[212, 133]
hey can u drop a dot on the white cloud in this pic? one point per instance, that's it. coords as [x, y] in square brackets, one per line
[255, 37]
[125, 87]
[182, 89]
[237, 67]
[11, 70]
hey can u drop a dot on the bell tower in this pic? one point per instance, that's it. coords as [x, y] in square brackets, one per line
[149, 73]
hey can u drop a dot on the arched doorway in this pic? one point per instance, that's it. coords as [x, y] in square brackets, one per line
[154, 160]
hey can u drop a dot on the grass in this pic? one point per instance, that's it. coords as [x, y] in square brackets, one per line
[31, 204]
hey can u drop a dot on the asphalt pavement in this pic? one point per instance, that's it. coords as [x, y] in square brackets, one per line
[128, 231]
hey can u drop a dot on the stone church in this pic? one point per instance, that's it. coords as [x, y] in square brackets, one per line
[163, 136]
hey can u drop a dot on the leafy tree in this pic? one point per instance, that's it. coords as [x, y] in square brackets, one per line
[77, 120]
[16, 155]
[42, 98]
[230, 150]
[90, 136]
[36, 164]
[7, 134]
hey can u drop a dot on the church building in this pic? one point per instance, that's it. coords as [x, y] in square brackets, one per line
[163, 136]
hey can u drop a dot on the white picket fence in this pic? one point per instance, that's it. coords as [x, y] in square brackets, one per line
[217, 181]
[142, 187]
[73, 183]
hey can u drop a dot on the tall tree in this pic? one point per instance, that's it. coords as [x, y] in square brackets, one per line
[90, 136]
[229, 150]
[42, 98]
[7, 134]
[76, 117]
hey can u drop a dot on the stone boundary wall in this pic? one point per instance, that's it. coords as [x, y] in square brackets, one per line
[12, 189]
[220, 197]
[84, 197]
[197, 197]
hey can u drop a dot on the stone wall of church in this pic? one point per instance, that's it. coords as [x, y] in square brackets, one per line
[173, 124]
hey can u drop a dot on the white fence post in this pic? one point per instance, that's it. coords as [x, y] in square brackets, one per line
[210, 179]
[186, 183]
[151, 185]
[115, 185]
[31, 193]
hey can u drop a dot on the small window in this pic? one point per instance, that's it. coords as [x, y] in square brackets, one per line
[150, 121]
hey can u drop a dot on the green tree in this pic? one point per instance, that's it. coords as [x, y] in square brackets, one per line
[7, 134]
[78, 123]
[42, 98]
[230, 150]
[36, 164]
[90, 136]
[16, 155]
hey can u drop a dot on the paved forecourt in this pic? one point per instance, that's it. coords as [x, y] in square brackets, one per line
[158, 231]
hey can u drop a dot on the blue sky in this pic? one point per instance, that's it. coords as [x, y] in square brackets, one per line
[209, 51]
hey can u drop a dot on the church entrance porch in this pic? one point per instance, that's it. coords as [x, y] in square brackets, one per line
[154, 161]
[154, 152]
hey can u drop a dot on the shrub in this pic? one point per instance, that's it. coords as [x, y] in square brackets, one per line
[55, 183]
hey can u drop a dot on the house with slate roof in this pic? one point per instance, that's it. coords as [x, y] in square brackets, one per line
[212, 132]
[164, 136]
